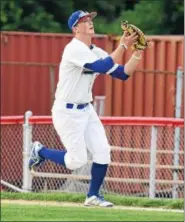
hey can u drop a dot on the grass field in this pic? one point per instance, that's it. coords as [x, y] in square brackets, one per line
[53, 207]
[79, 198]
[16, 212]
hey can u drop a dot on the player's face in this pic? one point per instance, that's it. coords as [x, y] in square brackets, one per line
[85, 26]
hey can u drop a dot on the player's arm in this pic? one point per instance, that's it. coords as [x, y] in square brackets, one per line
[123, 72]
[125, 43]
[86, 59]
[82, 57]
[133, 62]
[108, 66]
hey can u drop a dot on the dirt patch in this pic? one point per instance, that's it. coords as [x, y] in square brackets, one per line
[69, 204]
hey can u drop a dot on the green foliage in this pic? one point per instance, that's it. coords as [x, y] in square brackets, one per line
[153, 17]
[20, 15]
[148, 16]
[11, 14]
[174, 16]
[40, 20]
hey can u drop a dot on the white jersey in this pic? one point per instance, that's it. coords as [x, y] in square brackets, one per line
[75, 82]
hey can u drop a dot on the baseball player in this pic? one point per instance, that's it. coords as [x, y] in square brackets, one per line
[73, 115]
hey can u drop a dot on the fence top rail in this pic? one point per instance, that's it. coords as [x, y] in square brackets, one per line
[6, 120]
[143, 121]
[106, 120]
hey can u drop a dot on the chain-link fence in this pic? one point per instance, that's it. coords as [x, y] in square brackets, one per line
[147, 158]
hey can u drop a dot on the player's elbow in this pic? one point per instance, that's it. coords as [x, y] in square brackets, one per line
[129, 70]
[120, 73]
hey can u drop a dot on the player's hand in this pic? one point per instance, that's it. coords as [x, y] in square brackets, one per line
[128, 40]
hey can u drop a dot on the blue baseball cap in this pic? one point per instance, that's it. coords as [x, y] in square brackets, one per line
[76, 16]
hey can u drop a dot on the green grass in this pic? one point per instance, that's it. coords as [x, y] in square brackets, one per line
[79, 198]
[16, 212]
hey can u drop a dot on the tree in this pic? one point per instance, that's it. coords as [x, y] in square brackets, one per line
[174, 19]
[10, 15]
[152, 16]
[27, 16]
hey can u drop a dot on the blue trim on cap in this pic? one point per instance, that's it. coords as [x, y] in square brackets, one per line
[75, 17]
[100, 65]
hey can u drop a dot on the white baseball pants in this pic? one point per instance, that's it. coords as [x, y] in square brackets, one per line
[79, 130]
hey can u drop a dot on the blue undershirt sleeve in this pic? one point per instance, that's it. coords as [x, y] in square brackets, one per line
[100, 65]
[108, 66]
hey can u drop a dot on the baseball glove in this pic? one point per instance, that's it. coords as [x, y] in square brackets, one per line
[142, 43]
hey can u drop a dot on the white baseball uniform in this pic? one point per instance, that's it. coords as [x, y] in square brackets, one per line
[79, 129]
[74, 117]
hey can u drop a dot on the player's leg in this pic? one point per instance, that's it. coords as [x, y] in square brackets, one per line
[70, 126]
[97, 144]
[39, 153]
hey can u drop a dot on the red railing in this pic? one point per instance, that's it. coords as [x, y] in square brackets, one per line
[141, 121]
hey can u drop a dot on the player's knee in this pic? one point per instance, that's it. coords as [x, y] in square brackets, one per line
[76, 161]
[102, 157]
